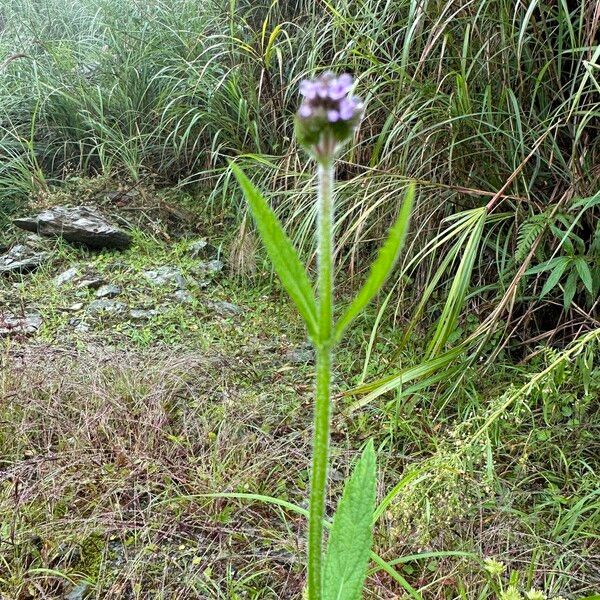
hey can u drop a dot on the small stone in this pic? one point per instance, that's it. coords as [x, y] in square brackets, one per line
[92, 283]
[141, 314]
[183, 296]
[209, 267]
[79, 592]
[65, 276]
[203, 249]
[166, 275]
[76, 307]
[21, 259]
[106, 306]
[79, 325]
[302, 355]
[224, 308]
[11, 324]
[108, 291]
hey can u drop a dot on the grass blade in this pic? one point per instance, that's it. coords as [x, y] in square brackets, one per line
[382, 266]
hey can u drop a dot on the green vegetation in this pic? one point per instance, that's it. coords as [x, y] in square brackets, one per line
[475, 374]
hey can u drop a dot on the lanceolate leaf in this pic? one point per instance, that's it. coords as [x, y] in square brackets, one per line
[281, 252]
[554, 277]
[570, 289]
[382, 266]
[585, 274]
[351, 536]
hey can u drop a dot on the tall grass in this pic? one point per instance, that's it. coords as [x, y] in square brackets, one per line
[484, 103]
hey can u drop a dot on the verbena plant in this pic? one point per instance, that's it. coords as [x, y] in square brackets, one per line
[326, 120]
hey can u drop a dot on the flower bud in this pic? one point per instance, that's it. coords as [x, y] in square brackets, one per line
[328, 115]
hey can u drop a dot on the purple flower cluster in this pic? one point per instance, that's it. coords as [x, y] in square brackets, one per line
[329, 97]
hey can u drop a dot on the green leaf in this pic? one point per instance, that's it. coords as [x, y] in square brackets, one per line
[586, 203]
[349, 548]
[381, 268]
[386, 384]
[585, 274]
[554, 277]
[570, 289]
[281, 252]
[381, 564]
[548, 265]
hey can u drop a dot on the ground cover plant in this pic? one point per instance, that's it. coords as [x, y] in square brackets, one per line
[134, 439]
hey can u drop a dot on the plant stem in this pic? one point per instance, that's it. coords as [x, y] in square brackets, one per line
[323, 389]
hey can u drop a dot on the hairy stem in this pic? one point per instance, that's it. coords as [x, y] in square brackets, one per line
[323, 392]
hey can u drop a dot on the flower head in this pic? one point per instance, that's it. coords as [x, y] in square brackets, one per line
[328, 114]
[493, 567]
[511, 593]
[534, 594]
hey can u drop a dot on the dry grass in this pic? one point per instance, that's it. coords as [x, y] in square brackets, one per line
[107, 451]
[101, 449]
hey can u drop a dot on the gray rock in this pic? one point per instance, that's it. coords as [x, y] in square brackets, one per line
[79, 325]
[79, 592]
[104, 306]
[21, 259]
[92, 283]
[203, 249]
[224, 309]
[65, 276]
[183, 296]
[302, 355]
[11, 324]
[166, 275]
[108, 291]
[207, 270]
[141, 314]
[80, 225]
[209, 267]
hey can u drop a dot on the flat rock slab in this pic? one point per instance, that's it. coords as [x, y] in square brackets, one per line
[166, 275]
[19, 324]
[108, 291]
[21, 259]
[106, 306]
[79, 225]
